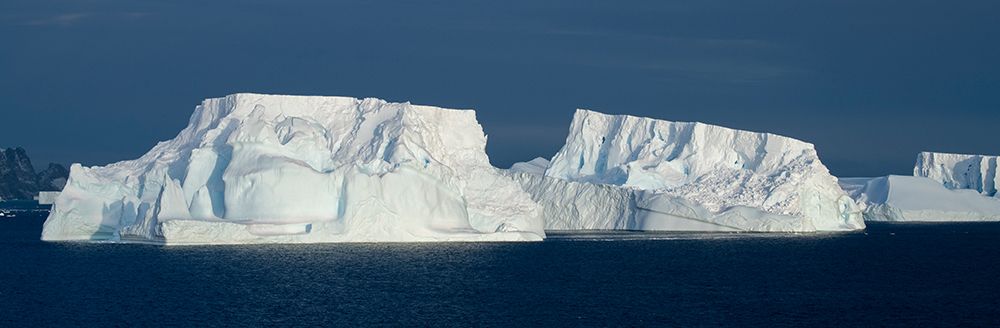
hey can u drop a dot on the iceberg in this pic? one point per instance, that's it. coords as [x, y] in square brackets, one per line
[253, 168]
[623, 172]
[943, 188]
[918, 199]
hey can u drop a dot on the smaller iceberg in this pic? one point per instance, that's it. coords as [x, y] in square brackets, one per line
[944, 188]
[620, 172]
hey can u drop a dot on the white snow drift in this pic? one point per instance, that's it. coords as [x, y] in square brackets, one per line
[945, 187]
[626, 172]
[253, 168]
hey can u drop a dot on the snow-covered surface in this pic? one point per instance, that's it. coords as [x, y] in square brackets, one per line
[959, 171]
[662, 175]
[919, 199]
[535, 166]
[253, 168]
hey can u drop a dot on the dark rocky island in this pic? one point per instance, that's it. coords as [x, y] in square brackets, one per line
[20, 181]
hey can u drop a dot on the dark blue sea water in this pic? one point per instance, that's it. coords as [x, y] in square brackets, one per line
[892, 275]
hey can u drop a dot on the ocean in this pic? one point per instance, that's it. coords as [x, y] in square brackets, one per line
[888, 275]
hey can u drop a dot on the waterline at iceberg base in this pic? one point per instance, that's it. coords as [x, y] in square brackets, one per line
[253, 168]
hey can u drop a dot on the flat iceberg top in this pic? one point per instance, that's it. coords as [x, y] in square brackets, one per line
[344, 127]
[909, 198]
[648, 153]
[267, 168]
[960, 171]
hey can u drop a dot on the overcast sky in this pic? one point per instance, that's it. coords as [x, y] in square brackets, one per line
[870, 83]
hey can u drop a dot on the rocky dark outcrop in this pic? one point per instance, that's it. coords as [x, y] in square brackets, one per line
[18, 179]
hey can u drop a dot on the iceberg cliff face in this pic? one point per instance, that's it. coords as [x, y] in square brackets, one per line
[959, 171]
[688, 176]
[255, 168]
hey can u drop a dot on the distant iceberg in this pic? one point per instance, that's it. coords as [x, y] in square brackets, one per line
[253, 168]
[943, 188]
[631, 173]
[959, 171]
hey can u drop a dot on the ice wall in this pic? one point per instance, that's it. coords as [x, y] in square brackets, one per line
[959, 171]
[253, 168]
[712, 177]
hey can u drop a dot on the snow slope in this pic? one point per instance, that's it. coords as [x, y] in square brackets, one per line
[919, 199]
[535, 166]
[958, 171]
[662, 175]
[253, 168]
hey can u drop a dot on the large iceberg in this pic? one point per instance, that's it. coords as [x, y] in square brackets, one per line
[253, 168]
[632, 173]
[944, 188]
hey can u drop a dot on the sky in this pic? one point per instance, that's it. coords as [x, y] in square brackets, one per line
[870, 83]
